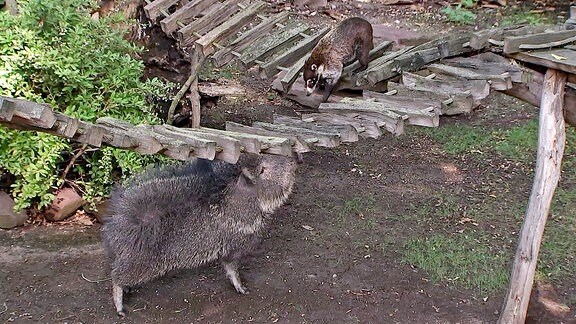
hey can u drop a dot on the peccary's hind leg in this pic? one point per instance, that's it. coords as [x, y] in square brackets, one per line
[231, 268]
[363, 56]
[117, 293]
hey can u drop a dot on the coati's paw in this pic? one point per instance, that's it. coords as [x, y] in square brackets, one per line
[242, 290]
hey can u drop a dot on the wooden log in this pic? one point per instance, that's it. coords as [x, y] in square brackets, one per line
[6, 109]
[551, 142]
[393, 122]
[126, 136]
[319, 138]
[171, 147]
[377, 51]
[202, 147]
[292, 56]
[488, 64]
[28, 113]
[211, 89]
[196, 61]
[531, 92]
[298, 93]
[497, 81]
[214, 16]
[65, 126]
[347, 133]
[225, 55]
[89, 133]
[267, 46]
[298, 144]
[154, 9]
[452, 104]
[230, 26]
[185, 15]
[515, 44]
[379, 68]
[364, 128]
[407, 103]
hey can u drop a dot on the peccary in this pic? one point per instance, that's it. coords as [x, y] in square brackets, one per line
[188, 215]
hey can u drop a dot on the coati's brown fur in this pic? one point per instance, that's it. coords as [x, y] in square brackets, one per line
[351, 40]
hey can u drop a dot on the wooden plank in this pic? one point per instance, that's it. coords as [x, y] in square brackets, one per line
[347, 133]
[153, 9]
[6, 109]
[126, 136]
[380, 68]
[364, 128]
[488, 64]
[268, 45]
[318, 138]
[479, 89]
[65, 126]
[565, 59]
[298, 92]
[257, 143]
[185, 15]
[515, 44]
[29, 113]
[298, 144]
[551, 143]
[292, 56]
[211, 89]
[89, 133]
[452, 104]
[171, 147]
[290, 77]
[393, 122]
[482, 38]
[230, 147]
[225, 55]
[202, 147]
[497, 81]
[230, 26]
[376, 52]
[214, 16]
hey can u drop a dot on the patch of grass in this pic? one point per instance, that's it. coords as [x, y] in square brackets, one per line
[519, 143]
[460, 260]
[461, 139]
[524, 17]
[460, 14]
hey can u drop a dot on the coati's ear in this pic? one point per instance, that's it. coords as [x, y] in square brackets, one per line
[313, 67]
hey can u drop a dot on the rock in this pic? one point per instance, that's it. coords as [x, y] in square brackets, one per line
[400, 36]
[65, 204]
[9, 218]
[98, 211]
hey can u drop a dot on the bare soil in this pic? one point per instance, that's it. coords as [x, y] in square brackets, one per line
[320, 262]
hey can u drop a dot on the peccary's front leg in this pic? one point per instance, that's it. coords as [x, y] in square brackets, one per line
[117, 294]
[231, 268]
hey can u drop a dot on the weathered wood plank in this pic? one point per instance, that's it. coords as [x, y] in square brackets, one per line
[126, 136]
[497, 81]
[364, 128]
[453, 103]
[267, 46]
[561, 59]
[153, 9]
[89, 133]
[482, 38]
[214, 16]
[393, 122]
[219, 90]
[479, 89]
[6, 109]
[292, 56]
[28, 113]
[298, 144]
[377, 51]
[257, 143]
[288, 79]
[551, 143]
[514, 44]
[347, 133]
[230, 147]
[488, 64]
[230, 26]
[171, 147]
[185, 15]
[318, 138]
[225, 55]
[202, 147]
[298, 92]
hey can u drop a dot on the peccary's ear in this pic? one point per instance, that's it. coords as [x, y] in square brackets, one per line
[313, 67]
[246, 178]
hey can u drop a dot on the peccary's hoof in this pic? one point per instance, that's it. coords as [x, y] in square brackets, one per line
[242, 290]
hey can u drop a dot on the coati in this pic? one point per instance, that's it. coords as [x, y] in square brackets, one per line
[351, 40]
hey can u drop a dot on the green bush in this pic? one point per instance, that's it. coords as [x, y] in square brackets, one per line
[54, 52]
[460, 14]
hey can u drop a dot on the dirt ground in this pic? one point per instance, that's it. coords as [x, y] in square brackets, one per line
[321, 261]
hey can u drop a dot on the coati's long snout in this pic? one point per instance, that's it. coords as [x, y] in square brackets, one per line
[350, 40]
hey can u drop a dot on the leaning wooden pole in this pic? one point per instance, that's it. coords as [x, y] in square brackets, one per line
[551, 140]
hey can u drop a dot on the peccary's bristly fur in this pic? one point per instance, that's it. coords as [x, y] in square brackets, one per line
[186, 215]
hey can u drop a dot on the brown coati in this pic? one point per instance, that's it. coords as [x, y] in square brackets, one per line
[351, 40]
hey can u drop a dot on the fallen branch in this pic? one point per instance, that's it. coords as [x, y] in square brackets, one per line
[196, 64]
[93, 281]
[81, 151]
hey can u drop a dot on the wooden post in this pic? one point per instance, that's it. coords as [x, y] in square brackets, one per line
[551, 140]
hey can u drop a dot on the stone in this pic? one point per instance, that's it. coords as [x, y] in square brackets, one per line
[64, 205]
[8, 218]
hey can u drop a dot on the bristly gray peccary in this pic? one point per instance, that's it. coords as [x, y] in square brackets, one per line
[187, 215]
